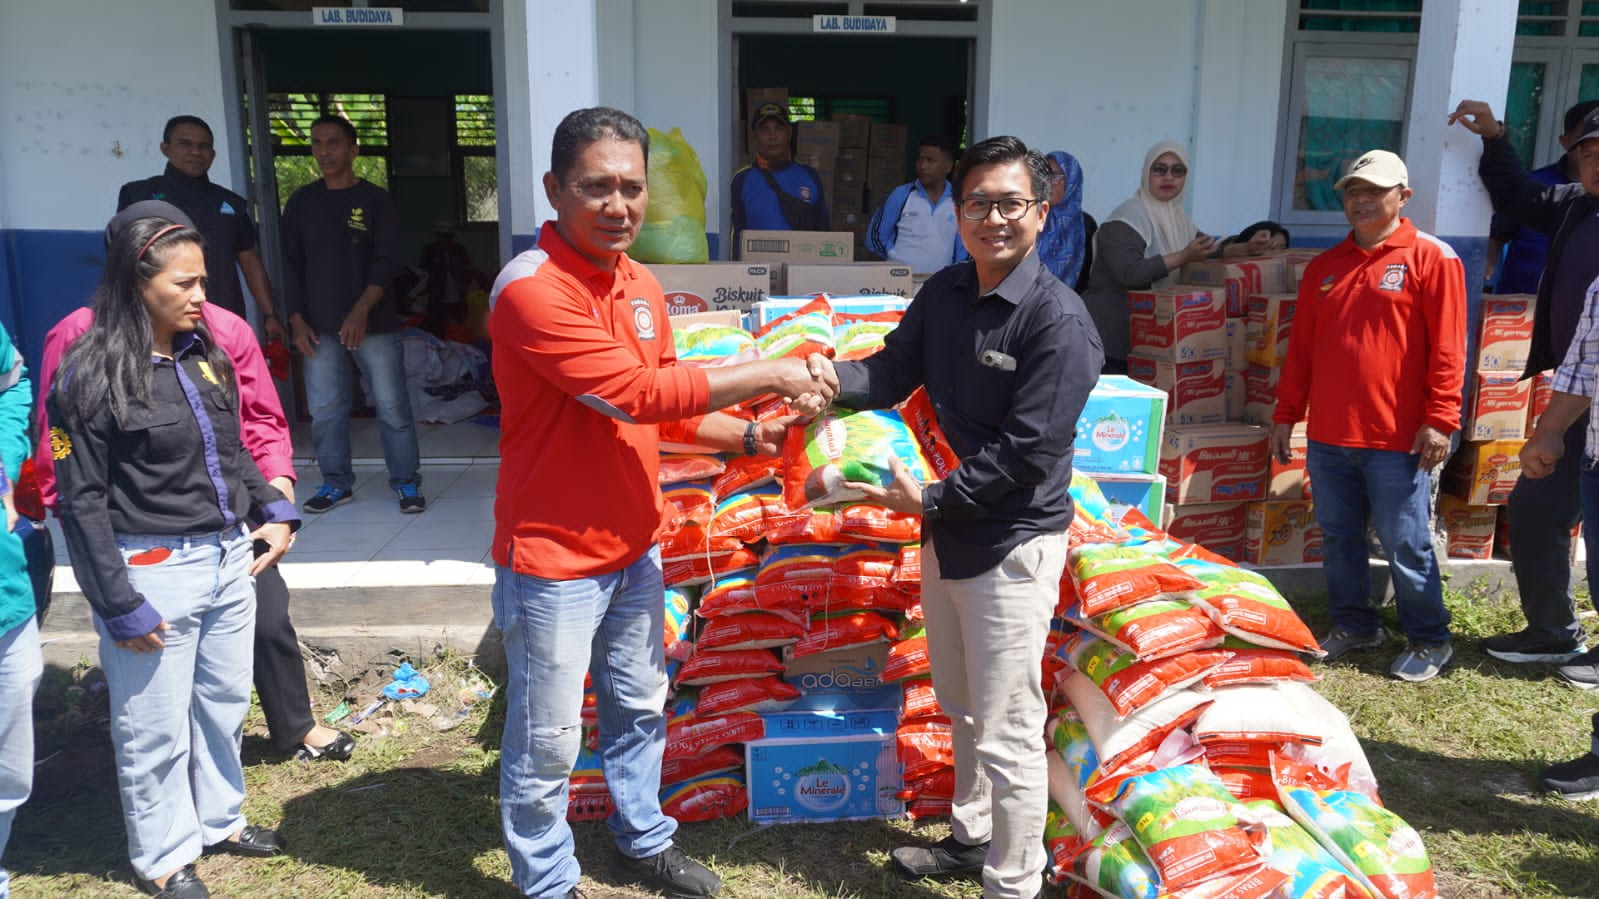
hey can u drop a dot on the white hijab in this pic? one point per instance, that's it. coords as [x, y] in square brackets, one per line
[1163, 224]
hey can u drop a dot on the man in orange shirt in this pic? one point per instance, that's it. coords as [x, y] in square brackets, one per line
[584, 360]
[1390, 302]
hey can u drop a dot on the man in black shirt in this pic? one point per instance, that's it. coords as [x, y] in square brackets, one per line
[219, 214]
[341, 247]
[1008, 355]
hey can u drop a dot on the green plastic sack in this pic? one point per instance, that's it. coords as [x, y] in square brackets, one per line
[674, 223]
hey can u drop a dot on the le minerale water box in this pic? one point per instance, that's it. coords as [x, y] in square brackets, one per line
[809, 779]
[1144, 492]
[1120, 428]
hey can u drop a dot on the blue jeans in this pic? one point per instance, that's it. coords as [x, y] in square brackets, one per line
[1390, 489]
[21, 666]
[330, 391]
[177, 714]
[1590, 535]
[554, 632]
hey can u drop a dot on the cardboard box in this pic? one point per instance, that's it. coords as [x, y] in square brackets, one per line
[1483, 474]
[854, 131]
[878, 189]
[1290, 481]
[1237, 396]
[1240, 277]
[797, 246]
[1120, 427]
[1198, 389]
[1282, 533]
[809, 779]
[1144, 492]
[1505, 338]
[1296, 274]
[1223, 463]
[1237, 344]
[1179, 324]
[890, 140]
[712, 286]
[821, 137]
[853, 669]
[1218, 527]
[1260, 394]
[1468, 530]
[1497, 409]
[1538, 400]
[725, 318]
[854, 279]
[1267, 325]
[850, 169]
[886, 168]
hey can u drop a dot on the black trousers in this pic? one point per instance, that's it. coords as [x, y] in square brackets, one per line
[1542, 513]
[279, 670]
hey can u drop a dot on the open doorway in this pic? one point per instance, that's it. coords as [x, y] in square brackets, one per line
[423, 105]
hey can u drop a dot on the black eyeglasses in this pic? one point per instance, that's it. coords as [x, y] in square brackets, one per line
[975, 209]
[1162, 169]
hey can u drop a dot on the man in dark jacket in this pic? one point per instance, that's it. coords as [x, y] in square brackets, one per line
[1544, 510]
[1550, 490]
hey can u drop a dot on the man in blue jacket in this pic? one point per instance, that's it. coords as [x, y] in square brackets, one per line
[915, 225]
[776, 193]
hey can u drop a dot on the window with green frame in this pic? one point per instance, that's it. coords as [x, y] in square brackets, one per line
[475, 147]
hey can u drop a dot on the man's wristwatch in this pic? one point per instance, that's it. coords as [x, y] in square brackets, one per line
[749, 439]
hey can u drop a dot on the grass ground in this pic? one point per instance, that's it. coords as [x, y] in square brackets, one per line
[414, 813]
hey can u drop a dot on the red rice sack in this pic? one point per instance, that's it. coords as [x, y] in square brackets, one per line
[706, 798]
[813, 526]
[1312, 871]
[677, 467]
[924, 747]
[720, 760]
[869, 522]
[798, 574]
[1110, 576]
[847, 629]
[1247, 606]
[938, 785]
[919, 700]
[859, 336]
[744, 472]
[1155, 629]
[1187, 823]
[842, 446]
[689, 733]
[701, 567]
[714, 667]
[1254, 665]
[762, 694]
[806, 330]
[908, 657]
[745, 514]
[1062, 841]
[1129, 683]
[1113, 864]
[749, 630]
[679, 621]
[689, 501]
[1369, 841]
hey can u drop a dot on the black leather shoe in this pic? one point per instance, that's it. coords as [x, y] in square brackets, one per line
[336, 750]
[183, 884]
[253, 842]
[946, 858]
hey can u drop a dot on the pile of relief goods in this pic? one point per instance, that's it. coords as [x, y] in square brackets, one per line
[1189, 756]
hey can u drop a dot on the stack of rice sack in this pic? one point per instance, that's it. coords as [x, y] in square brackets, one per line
[1191, 758]
[758, 572]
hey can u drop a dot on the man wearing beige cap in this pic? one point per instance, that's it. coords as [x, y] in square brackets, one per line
[1390, 303]
[775, 193]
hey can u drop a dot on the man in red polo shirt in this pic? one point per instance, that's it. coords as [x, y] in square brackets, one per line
[1390, 303]
[584, 361]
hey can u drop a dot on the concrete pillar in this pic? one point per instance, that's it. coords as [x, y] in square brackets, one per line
[552, 50]
[1464, 53]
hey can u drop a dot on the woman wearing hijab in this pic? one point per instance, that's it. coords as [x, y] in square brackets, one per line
[1143, 243]
[154, 487]
[1063, 246]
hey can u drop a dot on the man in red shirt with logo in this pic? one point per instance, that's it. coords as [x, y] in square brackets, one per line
[584, 361]
[1378, 353]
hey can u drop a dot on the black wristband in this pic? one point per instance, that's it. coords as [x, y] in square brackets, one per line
[749, 439]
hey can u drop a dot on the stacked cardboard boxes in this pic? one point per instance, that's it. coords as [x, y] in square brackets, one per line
[1498, 419]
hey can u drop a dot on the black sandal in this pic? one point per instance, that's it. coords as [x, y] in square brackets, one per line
[336, 750]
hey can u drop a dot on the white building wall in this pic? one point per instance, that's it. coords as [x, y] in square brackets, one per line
[1106, 79]
[675, 71]
[84, 92]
